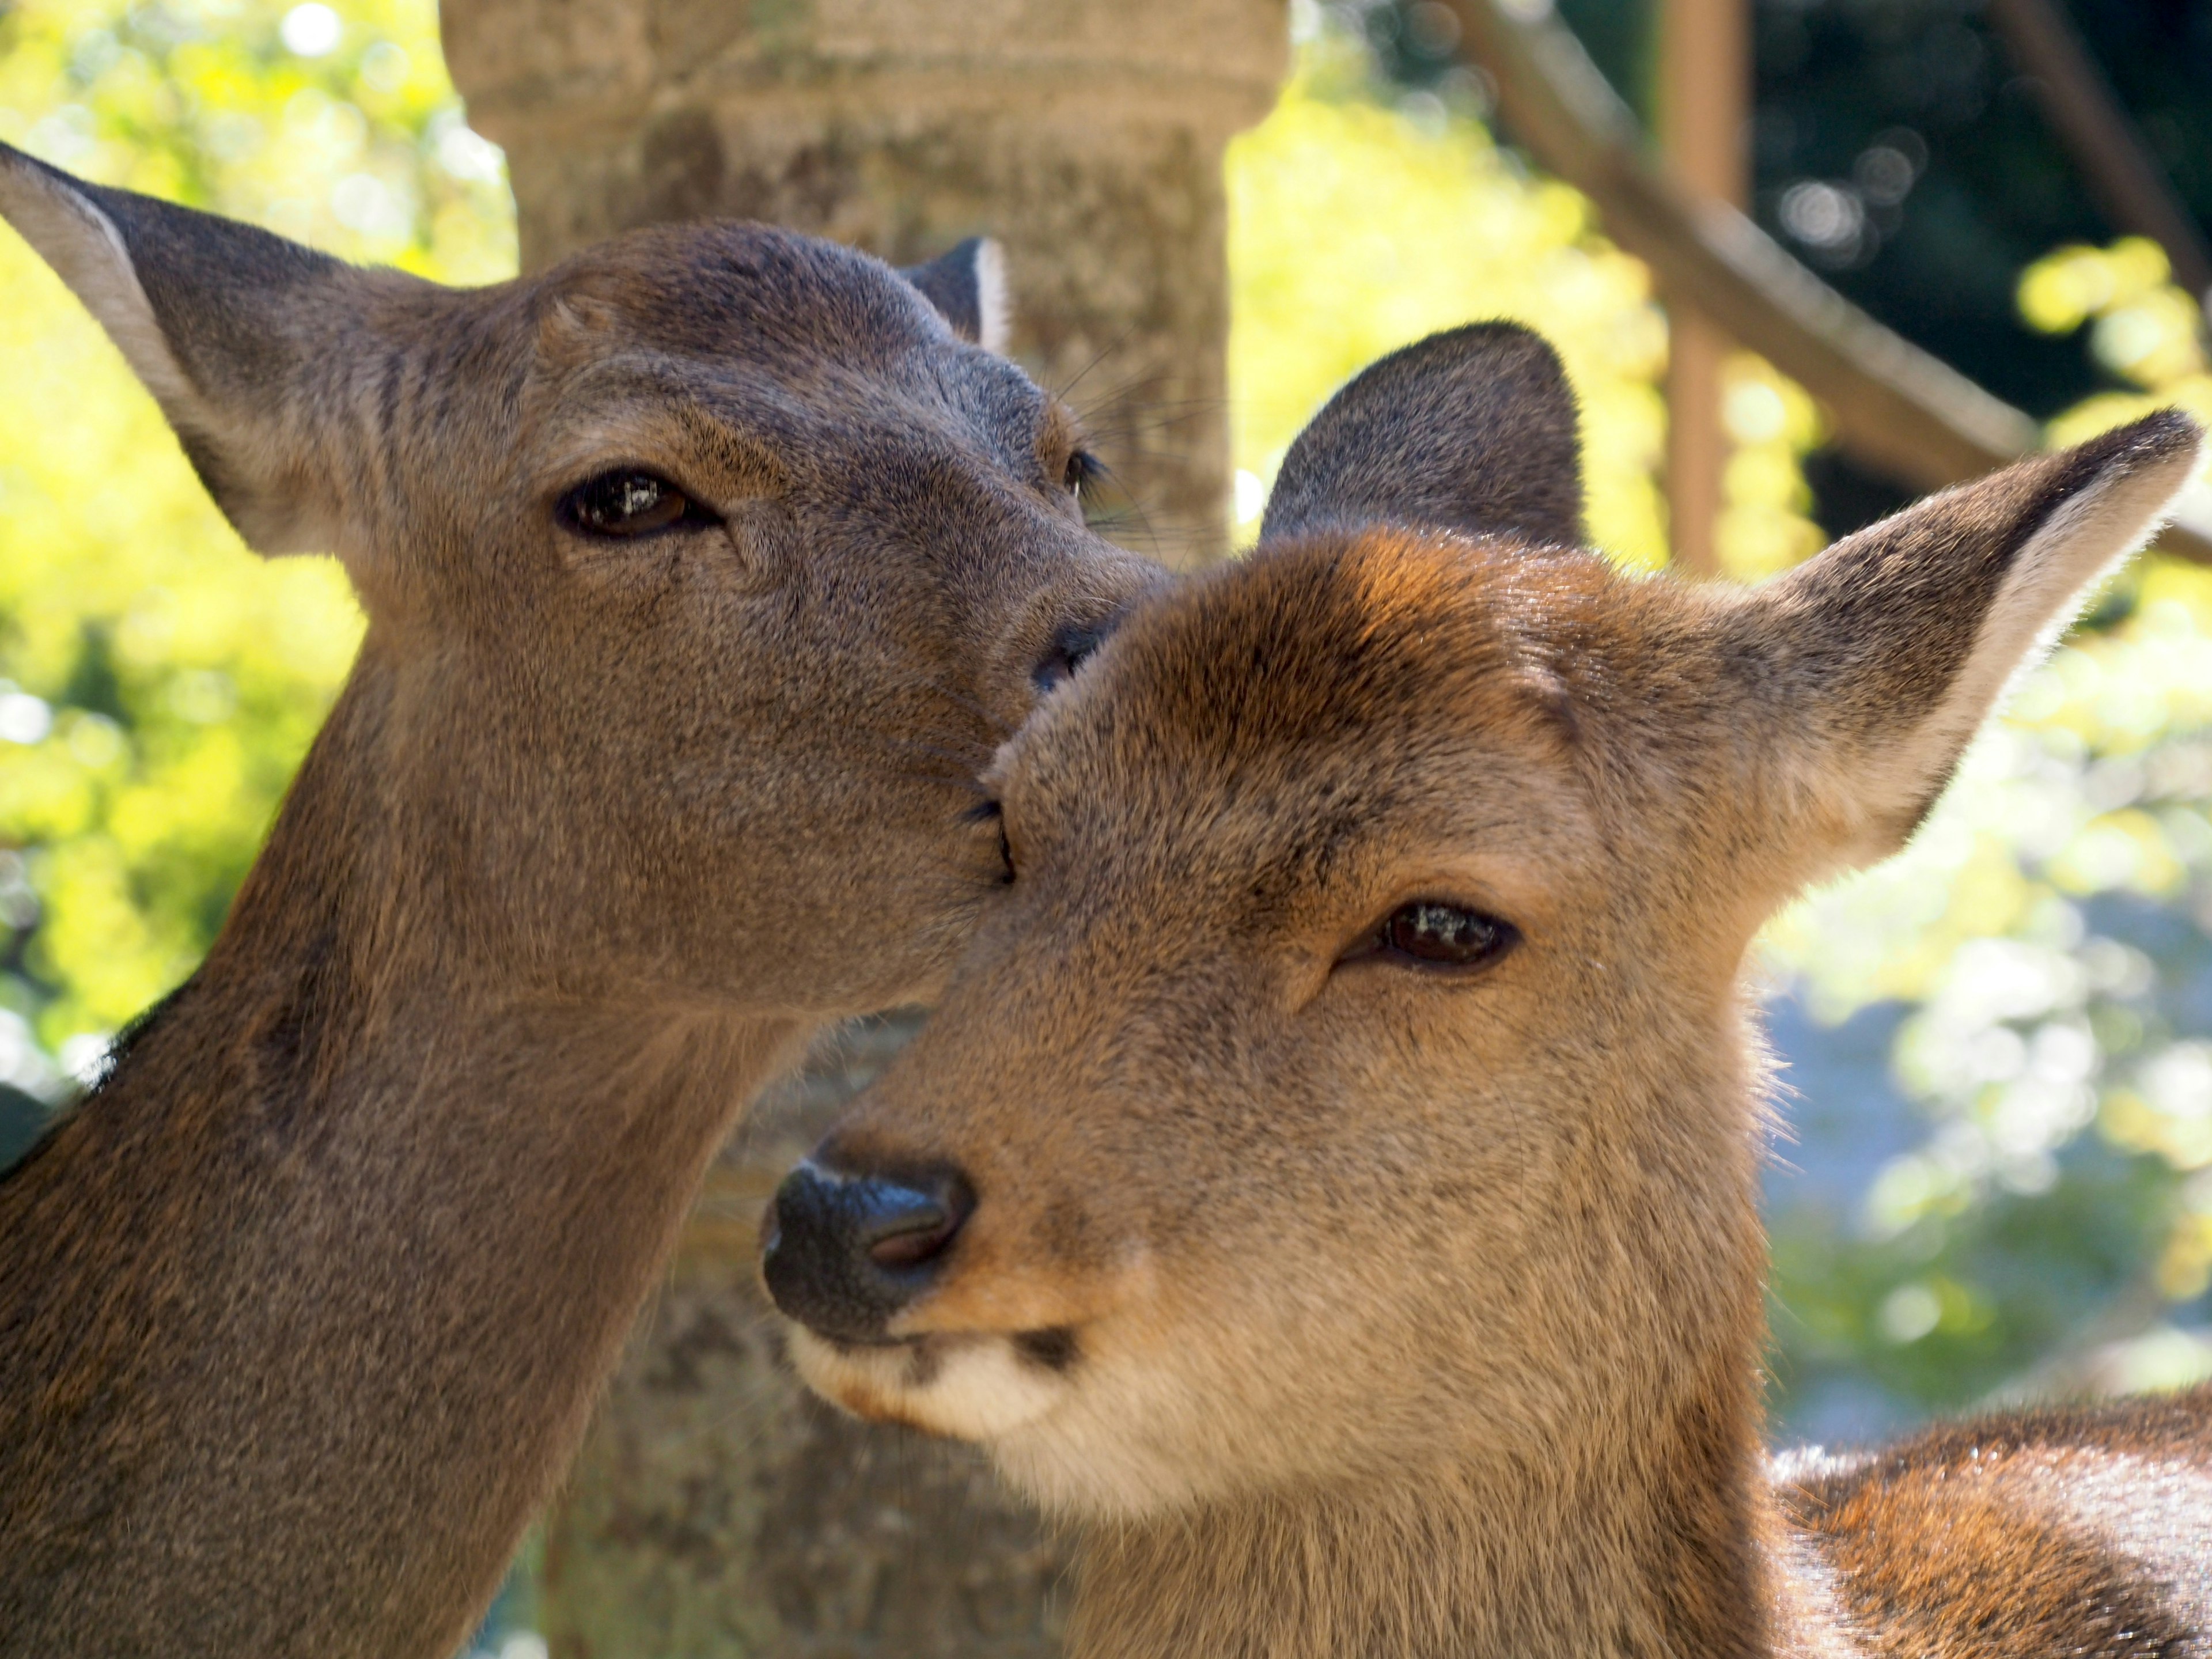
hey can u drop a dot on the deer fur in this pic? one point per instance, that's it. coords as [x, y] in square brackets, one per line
[1353, 1306]
[304, 1307]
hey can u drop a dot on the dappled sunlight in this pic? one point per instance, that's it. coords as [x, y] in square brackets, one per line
[2044, 936]
[1356, 227]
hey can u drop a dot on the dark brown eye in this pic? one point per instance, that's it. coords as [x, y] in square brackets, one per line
[630, 502]
[1434, 934]
[1083, 470]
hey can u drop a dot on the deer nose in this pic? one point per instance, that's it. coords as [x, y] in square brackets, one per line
[844, 1250]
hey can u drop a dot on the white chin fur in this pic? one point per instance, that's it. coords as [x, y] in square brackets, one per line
[971, 1388]
[1079, 1467]
[1090, 1444]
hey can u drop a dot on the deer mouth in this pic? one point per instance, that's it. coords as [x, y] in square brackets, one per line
[963, 1385]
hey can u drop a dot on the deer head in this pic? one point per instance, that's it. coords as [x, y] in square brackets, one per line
[697, 547]
[1353, 1086]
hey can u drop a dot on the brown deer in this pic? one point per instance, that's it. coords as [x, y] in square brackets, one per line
[1332, 1177]
[702, 573]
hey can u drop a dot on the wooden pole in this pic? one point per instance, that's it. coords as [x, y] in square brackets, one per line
[1704, 87]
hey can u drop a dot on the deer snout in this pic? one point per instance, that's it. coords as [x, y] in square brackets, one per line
[843, 1250]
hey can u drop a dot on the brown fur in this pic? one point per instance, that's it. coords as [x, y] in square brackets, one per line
[1407, 1313]
[305, 1309]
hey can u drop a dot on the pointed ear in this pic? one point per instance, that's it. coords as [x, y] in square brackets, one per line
[968, 286]
[1867, 670]
[233, 330]
[1473, 429]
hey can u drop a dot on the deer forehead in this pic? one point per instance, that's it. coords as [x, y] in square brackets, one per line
[732, 291]
[1332, 710]
[781, 415]
[801, 406]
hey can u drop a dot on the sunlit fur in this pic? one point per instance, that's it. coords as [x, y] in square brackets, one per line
[302, 1314]
[1405, 1313]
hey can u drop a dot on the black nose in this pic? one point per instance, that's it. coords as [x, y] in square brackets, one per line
[844, 1250]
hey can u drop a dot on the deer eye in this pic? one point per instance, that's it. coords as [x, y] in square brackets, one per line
[1431, 933]
[629, 501]
[1083, 470]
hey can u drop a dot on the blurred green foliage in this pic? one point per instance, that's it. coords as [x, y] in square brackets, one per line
[159, 683]
[1356, 228]
[2044, 947]
[1360, 221]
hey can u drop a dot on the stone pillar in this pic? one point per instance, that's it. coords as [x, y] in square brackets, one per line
[1088, 138]
[719, 1509]
[716, 1510]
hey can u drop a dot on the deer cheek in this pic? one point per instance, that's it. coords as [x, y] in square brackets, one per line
[762, 545]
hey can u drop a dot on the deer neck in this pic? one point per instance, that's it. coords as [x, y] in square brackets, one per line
[1603, 1555]
[1635, 1519]
[318, 1289]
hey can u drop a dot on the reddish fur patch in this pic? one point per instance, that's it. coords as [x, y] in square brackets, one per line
[1973, 1541]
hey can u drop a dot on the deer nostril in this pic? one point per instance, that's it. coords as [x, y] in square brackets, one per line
[916, 1239]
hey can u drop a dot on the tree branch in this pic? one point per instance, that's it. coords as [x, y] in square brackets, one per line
[1895, 408]
[2078, 102]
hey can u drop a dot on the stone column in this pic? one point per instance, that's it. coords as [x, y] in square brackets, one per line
[716, 1510]
[719, 1509]
[1087, 137]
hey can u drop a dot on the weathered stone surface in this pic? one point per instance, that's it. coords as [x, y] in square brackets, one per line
[717, 1511]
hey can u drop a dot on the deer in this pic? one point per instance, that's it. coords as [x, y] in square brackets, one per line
[1330, 1181]
[702, 573]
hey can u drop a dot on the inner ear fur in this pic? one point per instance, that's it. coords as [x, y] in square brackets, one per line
[967, 283]
[244, 338]
[1474, 429]
[1865, 673]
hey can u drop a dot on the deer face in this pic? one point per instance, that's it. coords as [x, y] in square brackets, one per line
[703, 572]
[1278, 1133]
[1352, 1077]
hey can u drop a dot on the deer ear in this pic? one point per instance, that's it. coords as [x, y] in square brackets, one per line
[1473, 429]
[1871, 667]
[233, 330]
[968, 286]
